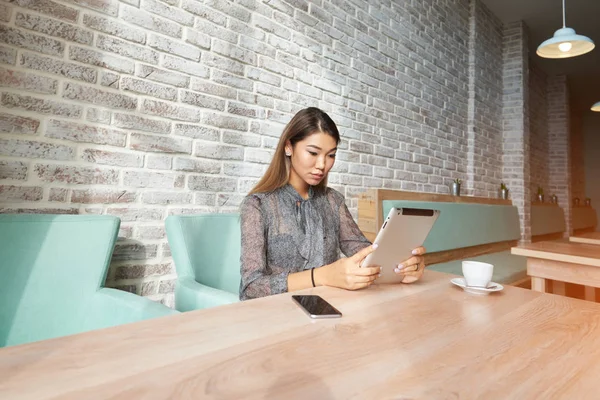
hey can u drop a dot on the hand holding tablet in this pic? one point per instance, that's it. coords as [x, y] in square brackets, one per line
[346, 273]
[404, 230]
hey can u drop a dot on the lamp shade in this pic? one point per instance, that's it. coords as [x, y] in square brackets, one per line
[565, 43]
[596, 107]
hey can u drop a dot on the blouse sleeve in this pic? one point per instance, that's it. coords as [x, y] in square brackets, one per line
[257, 279]
[351, 237]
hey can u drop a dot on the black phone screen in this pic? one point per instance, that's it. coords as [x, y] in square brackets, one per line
[315, 306]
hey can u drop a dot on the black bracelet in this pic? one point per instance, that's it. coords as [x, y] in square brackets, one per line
[312, 276]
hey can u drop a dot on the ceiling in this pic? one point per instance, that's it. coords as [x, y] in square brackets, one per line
[543, 17]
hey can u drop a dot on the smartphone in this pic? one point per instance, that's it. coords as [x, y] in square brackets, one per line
[316, 307]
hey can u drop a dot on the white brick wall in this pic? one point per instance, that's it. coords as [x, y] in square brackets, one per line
[484, 168]
[146, 108]
[559, 159]
[578, 178]
[539, 135]
[515, 121]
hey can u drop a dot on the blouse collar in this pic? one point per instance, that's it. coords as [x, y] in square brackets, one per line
[289, 189]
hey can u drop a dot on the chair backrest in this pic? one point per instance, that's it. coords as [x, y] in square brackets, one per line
[207, 247]
[50, 267]
[465, 224]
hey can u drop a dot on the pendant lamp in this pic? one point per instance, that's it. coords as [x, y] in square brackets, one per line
[596, 107]
[565, 43]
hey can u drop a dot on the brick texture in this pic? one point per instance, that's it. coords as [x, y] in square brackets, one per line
[515, 122]
[147, 108]
[539, 140]
[484, 168]
[582, 159]
[559, 139]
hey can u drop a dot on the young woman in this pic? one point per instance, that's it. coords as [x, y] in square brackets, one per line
[294, 226]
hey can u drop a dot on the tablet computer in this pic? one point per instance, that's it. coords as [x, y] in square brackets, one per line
[403, 230]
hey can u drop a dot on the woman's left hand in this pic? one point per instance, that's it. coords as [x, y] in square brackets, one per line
[413, 268]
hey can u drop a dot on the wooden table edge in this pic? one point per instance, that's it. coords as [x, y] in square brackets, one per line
[548, 255]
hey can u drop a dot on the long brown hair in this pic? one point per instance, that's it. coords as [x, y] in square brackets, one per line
[305, 123]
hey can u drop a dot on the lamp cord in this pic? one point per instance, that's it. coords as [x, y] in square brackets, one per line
[564, 25]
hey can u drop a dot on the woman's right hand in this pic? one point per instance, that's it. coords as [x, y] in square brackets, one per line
[346, 273]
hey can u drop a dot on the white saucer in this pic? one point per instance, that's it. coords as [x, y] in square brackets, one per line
[460, 282]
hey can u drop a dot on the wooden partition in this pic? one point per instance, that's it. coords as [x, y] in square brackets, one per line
[370, 219]
[584, 218]
[370, 205]
[547, 222]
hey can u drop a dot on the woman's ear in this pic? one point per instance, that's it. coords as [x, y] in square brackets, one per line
[288, 149]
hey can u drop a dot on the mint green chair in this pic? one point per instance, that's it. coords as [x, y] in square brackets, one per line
[206, 250]
[463, 225]
[52, 269]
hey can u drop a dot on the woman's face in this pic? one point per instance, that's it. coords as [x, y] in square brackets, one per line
[311, 158]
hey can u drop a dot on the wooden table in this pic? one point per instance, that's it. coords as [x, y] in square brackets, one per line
[425, 340]
[588, 238]
[562, 262]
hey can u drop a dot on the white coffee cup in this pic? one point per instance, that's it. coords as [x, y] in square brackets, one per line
[477, 273]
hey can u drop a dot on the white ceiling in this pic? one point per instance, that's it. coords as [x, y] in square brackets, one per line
[543, 17]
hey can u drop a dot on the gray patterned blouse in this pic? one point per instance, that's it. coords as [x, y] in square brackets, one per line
[283, 233]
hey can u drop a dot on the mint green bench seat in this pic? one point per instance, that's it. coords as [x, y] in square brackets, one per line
[206, 251]
[53, 268]
[463, 225]
[508, 268]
